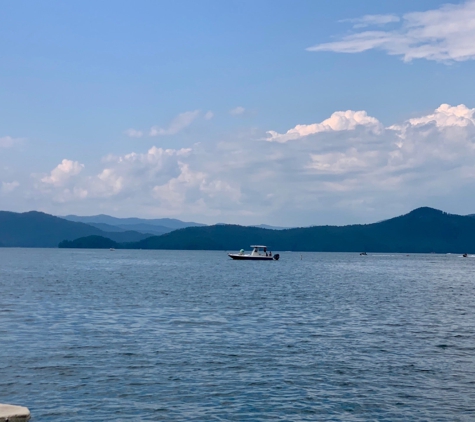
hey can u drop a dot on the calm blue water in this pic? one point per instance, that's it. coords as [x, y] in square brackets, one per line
[195, 336]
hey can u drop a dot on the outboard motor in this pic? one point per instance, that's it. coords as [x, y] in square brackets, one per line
[276, 256]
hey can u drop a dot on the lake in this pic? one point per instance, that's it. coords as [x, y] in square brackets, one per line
[194, 336]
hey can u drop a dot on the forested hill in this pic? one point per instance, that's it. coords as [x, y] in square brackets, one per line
[422, 230]
[37, 229]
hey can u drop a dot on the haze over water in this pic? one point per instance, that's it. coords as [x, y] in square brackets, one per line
[195, 336]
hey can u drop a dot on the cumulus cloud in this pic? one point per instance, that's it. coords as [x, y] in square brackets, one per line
[173, 194]
[133, 133]
[135, 171]
[167, 177]
[445, 34]
[179, 123]
[237, 111]
[443, 117]
[411, 163]
[346, 166]
[8, 141]
[426, 147]
[446, 115]
[338, 121]
[63, 172]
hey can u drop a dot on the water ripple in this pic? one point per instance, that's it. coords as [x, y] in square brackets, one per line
[194, 336]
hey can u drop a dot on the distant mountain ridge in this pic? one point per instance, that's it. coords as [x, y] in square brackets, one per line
[266, 226]
[156, 226]
[423, 230]
[37, 229]
[168, 223]
[141, 228]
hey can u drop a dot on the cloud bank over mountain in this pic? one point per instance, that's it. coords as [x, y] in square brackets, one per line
[349, 164]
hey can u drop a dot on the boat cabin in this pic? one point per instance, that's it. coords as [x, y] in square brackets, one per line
[256, 250]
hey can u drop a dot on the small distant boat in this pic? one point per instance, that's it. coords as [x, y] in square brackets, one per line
[112, 249]
[363, 253]
[465, 255]
[256, 254]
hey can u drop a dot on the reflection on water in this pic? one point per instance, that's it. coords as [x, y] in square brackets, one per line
[178, 335]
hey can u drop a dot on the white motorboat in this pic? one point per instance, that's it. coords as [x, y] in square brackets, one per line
[256, 254]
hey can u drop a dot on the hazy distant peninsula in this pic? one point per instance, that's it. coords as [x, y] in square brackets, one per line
[156, 226]
[90, 242]
[424, 230]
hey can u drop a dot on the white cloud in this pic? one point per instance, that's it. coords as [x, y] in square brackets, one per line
[445, 34]
[348, 168]
[63, 172]
[8, 141]
[338, 121]
[443, 117]
[427, 145]
[237, 111]
[172, 194]
[369, 20]
[446, 115]
[193, 189]
[111, 183]
[179, 123]
[8, 187]
[134, 172]
[133, 133]
[343, 162]
[208, 115]
[417, 162]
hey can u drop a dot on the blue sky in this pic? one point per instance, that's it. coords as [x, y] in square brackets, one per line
[181, 109]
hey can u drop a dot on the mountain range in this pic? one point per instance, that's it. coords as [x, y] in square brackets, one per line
[423, 230]
[156, 226]
[37, 229]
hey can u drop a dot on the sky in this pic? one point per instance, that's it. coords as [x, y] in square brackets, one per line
[288, 113]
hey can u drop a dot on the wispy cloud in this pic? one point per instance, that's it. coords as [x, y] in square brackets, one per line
[237, 111]
[369, 20]
[8, 141]
[445, 34]
[208, 115]
[133, 133]
[8, 187]
[179, 123]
